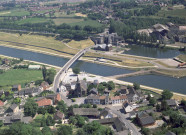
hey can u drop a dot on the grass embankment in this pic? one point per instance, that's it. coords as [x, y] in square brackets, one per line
[182, 57]
[19, 76]
[175, 73]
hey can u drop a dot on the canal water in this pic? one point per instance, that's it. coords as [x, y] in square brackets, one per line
[153, 52]
[163, 82]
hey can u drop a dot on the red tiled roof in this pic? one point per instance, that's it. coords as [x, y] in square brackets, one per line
[1, 103]
[44, 102]
[58, 97]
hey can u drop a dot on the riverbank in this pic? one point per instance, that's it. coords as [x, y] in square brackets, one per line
[177, 96]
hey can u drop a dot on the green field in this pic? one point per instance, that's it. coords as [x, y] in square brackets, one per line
[87, 22]
[32, 20]
[19, 76]
[16, 12]
[174, 13]
[66, 20]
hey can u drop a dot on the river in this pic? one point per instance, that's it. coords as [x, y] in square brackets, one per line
[152, 52]
[162, 82]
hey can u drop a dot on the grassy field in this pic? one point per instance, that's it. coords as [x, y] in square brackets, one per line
[87, 22]
[43, 41]
[16, 12]
[80, 44]
[19, 76]
[32, 20]
[174, 13]
[182, 57]
[59, 21]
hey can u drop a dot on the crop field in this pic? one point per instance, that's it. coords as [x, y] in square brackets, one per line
[19, 76]
[32, 20]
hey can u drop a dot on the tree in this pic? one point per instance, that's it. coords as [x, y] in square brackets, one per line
[19, 128]
[51, 109]
[46, 131]
[158, 107]
[110, 85]
[17, 100]
[44, 72]
[30, 108]
[145, 131]
[164, 105]
[76, 70]
[136, 86]
[1, 123]
[61, 106]
[64, 130]
[166, 94]
[152, 101]
[49, 121]
[41, 111]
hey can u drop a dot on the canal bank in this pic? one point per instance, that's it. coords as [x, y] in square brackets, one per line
[92, 68]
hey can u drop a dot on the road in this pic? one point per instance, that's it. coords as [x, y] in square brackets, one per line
[123, 117]
[62, 73]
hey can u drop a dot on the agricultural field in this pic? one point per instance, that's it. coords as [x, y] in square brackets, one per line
[60, 21]
[19, 76]
[16, 12]
[174, 13]
[32, 20]
[92, 23]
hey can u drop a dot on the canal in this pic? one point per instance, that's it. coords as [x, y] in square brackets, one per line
[162, 82]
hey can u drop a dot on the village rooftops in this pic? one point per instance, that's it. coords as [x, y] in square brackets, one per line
[145, 119]
[44, 102]
[171, 102]
[119, 97]
[86, 111]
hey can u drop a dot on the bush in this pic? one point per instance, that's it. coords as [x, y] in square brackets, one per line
[73, 100]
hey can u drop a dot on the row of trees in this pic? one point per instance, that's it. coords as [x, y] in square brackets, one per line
[48, 74]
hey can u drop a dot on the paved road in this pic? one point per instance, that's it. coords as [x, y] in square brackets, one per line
[123, 117]
[62, 73]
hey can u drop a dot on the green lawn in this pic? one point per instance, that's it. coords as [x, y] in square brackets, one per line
[19, 76]
[33, 20]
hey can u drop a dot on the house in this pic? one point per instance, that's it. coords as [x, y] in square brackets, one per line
[30, 91]
[6, 61]
[58, 116]
[93, 91]
[106, 92]
[54, 97]
[132, 114]
[80, 88]
[103, 47]
[34, 67]
[172, 103]
[92, 99]
[14, 108]
[118, 99]
[107, 113]
[1, 103]
[133, 95]
[116, 122]
[45, 85]
[123, 90]
[44, 102]
[16, 87]
[8, 120]
[129, 107]
[170, 133]
[89, 112]
[144, 119]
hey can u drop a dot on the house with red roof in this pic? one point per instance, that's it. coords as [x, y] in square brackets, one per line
[44, 102]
